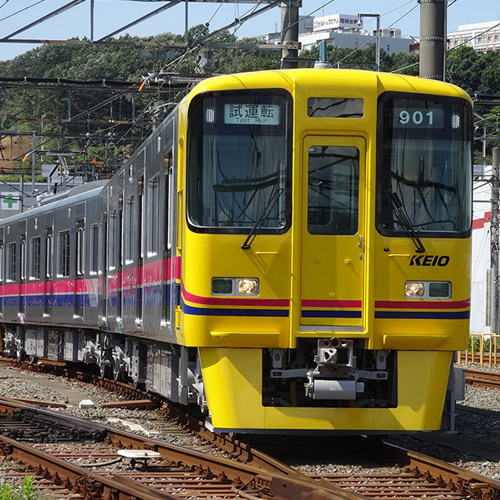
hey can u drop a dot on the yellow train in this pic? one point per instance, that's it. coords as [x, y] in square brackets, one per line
[290, 249]
[325, 247]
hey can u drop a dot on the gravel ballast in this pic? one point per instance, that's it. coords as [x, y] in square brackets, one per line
[480, 428]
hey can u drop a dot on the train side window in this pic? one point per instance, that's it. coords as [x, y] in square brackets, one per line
[11, 261]
[1, 261]
[130, 230]
[64, 248]
[80, 247]
[168, 170]
[35, 258]
[333, 190]
[335, 107]
[49, 251]
[153, 219]
[94, 249]
[23, 257]
[140, 217]
[112, 241]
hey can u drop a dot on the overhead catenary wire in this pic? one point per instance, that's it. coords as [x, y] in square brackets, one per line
[455, 47]
[368, 42]
[20, 10]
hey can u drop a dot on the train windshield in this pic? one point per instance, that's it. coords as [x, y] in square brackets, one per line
[238, 167]
[424, 166]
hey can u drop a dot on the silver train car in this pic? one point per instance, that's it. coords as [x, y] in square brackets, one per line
[89, 274]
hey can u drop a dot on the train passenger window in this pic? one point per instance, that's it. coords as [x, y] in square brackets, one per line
[49, 251]
[168, 172]
[119, 227]
[153, 202]
[140, 217]
[94, 249]
[49, 248]
[35, 258]
[23, 258]
[333, 190]
[1, 262]
[170, 201]
[11, 261]
[130, 230]
[335, 107]
[64, 248]
[80, 247]
[112, 243]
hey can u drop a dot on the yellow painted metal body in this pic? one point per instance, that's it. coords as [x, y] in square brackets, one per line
[233, 379]
[363, 273]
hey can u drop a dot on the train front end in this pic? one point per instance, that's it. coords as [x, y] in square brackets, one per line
[325, 248]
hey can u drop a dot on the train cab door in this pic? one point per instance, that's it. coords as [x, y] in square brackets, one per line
[332, 234]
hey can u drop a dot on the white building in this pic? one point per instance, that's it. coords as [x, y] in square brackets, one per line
[480, 36]
[344, 30]
[480, 320]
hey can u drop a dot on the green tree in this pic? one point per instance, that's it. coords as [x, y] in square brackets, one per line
[462, 68]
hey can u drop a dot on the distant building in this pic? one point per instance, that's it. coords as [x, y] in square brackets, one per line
[344, 30]
[480, 319]
[480, 36]
[16, 198]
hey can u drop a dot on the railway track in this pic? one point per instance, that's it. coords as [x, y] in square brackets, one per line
[88, 460]
[69, 456]
[419, 476]
[482, 378]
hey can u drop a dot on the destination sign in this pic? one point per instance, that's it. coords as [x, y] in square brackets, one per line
[251, 114]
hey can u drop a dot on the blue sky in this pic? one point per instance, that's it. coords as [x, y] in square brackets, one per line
[113, 14]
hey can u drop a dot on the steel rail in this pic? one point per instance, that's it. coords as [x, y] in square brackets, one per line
[482, 378]
[423, 469]
[419, 476]
[238, 475]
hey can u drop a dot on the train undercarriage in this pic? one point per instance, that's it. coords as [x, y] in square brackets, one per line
[165, 369]
[319, 373]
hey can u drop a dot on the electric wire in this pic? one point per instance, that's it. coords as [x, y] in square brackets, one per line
[19, 11]
[368, 42]
[455, 47]
[213, 15]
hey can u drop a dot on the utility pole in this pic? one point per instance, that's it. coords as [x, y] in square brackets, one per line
[377, 38]
[33, 163]
[290, 33]
[495, 170]
[432, 38]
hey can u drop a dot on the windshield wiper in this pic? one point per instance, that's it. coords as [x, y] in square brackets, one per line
[260, 221]
[405, 221]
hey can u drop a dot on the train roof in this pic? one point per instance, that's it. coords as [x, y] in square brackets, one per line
[77, 194]
[345, 79]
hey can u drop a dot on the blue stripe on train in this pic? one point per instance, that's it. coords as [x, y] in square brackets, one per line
[422, 315]
[198, 311]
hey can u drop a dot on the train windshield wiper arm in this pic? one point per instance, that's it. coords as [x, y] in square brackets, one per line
[405, 221]
[260, 221]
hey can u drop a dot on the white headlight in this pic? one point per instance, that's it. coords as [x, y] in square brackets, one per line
[248, 286]
[414, 289]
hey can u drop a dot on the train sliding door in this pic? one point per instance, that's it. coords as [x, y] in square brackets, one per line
[332, 234]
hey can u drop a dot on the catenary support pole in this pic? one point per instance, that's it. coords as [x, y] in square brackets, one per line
[289, 34]
[432, 39]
